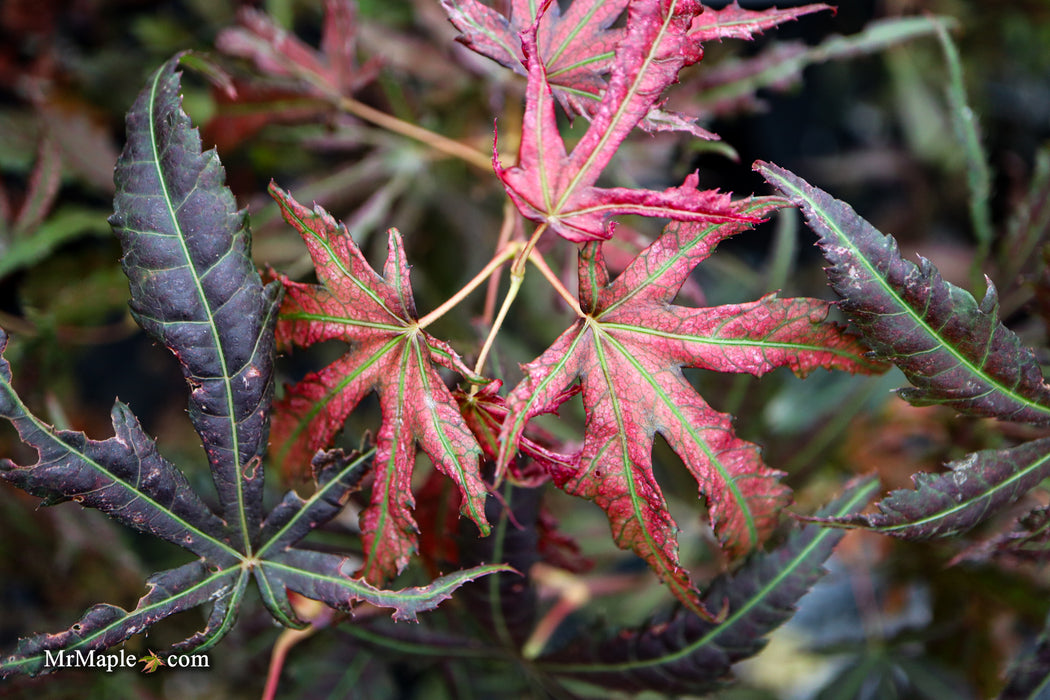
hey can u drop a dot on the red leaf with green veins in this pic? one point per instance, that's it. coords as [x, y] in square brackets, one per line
[628, 352]
[734, 22]
[485, 411]
[556, 187]
[389, 354]
[577, 46]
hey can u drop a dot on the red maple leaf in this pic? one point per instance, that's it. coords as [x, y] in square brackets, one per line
[628, 351]
[577, 46]
[554, 187]
[389, 354]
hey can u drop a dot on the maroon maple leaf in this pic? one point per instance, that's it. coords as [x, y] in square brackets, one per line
[628, 351]
[577, 46]
[556, 188]
[332, 70]
[389, 354]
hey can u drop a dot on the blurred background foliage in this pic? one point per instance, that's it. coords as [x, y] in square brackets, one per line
[892, 620]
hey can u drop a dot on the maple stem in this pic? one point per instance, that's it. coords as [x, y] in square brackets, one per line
[517, 275]
[541, 264]
[512, 292]
[501, 258]
[518, 268]
[505, 232]
[413, 131]
[321, 617]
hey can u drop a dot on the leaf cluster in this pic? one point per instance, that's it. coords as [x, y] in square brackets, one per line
[460, 448]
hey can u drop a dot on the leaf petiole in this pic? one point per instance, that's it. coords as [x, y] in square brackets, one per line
[500, 259]
[512, 292]
[541, 264]
[517, 275]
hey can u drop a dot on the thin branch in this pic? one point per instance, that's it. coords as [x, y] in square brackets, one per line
[541, 264]
[435, 140]
[506, 231]
[517, 275]
[501, 258]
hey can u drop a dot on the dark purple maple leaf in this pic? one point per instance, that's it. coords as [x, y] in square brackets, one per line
[390, 355]
[953, 349]
[628, 351]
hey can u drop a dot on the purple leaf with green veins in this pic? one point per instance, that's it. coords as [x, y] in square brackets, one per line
[953, 350]
[973, 488]
[686, 654]
[194, 289]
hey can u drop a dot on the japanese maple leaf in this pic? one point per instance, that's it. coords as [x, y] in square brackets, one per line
[556, 188]
[332, 70]
[577, 46]
[628, 351]
[389, 354]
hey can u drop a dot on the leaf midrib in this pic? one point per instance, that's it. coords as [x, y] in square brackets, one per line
[100, 468]
[955, 508]
[727, 478]
[206, 305]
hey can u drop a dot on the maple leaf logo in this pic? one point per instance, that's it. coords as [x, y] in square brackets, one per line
[628, 351]
[151, 662]
[389, 354]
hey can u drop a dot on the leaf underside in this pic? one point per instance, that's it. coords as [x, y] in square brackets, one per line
[194, 289]
[628, 352]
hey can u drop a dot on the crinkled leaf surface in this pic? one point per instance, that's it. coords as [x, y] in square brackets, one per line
[953, 349]
[628, 352]
[974, 488]
[577, 45]
[555, 187]
[389, 354]
[685, 654]
[194, 288]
